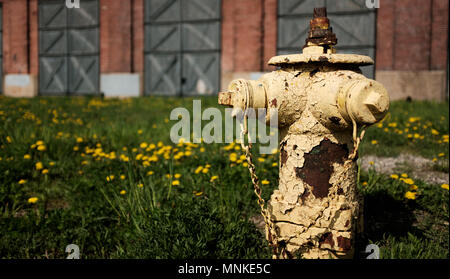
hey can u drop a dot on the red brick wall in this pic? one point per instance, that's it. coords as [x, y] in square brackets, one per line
[115, 36]
[15, 40]
[248, 34]
[138, 36]
[412, 35]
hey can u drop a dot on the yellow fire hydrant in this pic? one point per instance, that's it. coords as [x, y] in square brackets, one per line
[322, 100]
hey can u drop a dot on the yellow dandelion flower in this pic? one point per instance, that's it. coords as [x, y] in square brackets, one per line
[245, 164]
[140, 185]
[51, 163]
[76, 148]
[122, 177]
[110, 178]
[44, 171]
[261, 159]
[365, 183]
[150, 173]
[441, 154]
[413, 187]
[22, 181]
[198, 194]
[175, 182]
[444, 186]
[26, 156]
[202, 149]
[139, 132]
[123, 192]
[434, 159]
[371, 162]
[394, 176]
[177, 175]
[408, 181]
[39, 142]
[198, 169]
[39, 166]
[33, 200]
[79, 139]
[374, 142]
[434, 132]
[410, 195]
[404, 175]
[265, 182]
[205, 170]
[143, 145]
[41, 148]
[8, 139]
[274, 164]
[214, 178]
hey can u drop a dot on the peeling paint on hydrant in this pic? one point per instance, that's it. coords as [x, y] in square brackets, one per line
[320, 95]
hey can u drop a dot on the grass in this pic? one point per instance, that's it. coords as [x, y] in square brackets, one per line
[104, 175]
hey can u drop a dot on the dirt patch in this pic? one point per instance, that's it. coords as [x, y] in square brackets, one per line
[417, 167]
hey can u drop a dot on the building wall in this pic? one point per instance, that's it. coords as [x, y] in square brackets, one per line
[412, 48]
[411, 56]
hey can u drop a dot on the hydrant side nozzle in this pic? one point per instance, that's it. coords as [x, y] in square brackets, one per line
[366, 101]
[225, 98]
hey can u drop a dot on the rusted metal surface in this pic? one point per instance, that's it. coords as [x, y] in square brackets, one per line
[318, 166]
[320, 32]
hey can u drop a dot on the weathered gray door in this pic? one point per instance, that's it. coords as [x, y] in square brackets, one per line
[68, 48]
[1, 49]
[353, 23]
[182, 47]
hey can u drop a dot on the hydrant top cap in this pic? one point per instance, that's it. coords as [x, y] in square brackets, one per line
[355, 59]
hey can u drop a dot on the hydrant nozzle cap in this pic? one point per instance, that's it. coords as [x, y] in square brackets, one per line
[367, 101]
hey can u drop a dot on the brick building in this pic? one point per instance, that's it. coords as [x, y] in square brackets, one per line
[195, 47]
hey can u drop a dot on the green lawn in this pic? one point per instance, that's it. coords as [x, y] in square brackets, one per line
[103, 174]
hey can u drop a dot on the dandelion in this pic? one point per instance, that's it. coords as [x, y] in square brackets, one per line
[143, 145]
[41, 148]
[205, 170]
[214, 178]
[33, 200]
[374, 142]
[39, 166]
[365, 183]
[8, 139]
[404, 175]
[123, 192]
[444, 186]
[198, 169]
[371, 163]
[274, 164]
[110, 178]
[434, 132]
[394, 176]
[39, 142]
[44, 171]
[76, 148]
[413, 187]
[122, 177]
[139, 132]
[22, 181]
[202, 149]
[265, 182]
[434, 159]
[79, 140]
[175, 182]
[51, 163]
[408, 181]
[261, 159]
[177, 175]
[140, 185]
[26, 156]
[410, 195]
[441, 155]
[150, 173]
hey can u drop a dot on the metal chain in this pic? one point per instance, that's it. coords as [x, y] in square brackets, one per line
[269, 225]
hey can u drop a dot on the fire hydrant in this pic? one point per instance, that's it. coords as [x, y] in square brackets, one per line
[322, 98]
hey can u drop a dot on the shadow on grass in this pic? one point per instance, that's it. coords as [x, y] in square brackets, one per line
[383, 216]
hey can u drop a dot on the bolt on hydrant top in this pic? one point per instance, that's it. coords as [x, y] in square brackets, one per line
[319, 46]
